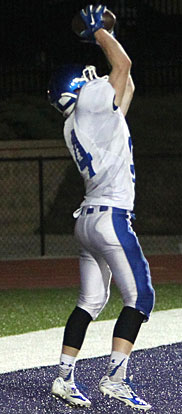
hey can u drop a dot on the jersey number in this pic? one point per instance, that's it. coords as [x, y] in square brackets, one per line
[83, 158]
[132, 167]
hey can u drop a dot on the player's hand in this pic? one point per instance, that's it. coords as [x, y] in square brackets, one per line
[93, 19]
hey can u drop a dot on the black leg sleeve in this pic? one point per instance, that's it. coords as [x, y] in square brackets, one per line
[128, 324]
[76, 327]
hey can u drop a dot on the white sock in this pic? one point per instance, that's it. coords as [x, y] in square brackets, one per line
[66, 367]
[117, 366]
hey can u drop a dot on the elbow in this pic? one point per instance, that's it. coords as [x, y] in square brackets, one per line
[128, 62]
[124, 66]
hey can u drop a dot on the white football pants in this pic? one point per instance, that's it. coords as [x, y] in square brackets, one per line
[109, 247]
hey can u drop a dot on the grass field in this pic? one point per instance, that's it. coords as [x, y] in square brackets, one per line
[28, 310]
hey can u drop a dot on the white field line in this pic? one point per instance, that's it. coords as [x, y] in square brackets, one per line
[42, 348]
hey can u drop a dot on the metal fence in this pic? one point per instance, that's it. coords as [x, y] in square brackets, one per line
[38, 196]
[40, 39]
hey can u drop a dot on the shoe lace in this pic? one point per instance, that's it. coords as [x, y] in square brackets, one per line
[129, 384]
[77, 389]
[83, 388]
[130, 387]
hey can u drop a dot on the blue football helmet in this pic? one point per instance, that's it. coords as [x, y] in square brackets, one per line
[65, 83]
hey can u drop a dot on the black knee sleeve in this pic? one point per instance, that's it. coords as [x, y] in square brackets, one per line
[128, 324]
[76, 327]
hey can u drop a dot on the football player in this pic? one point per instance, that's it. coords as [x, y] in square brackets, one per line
[99, 141]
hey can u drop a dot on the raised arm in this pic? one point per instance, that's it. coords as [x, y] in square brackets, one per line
[120, 62]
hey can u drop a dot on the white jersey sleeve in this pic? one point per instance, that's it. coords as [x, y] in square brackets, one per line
[96, 96]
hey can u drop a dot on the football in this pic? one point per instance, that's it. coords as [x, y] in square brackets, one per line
[78, 24]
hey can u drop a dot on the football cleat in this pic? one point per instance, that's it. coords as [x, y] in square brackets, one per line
[69, 392]
[122, 391]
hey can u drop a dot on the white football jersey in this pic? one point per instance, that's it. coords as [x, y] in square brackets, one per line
[99, 141]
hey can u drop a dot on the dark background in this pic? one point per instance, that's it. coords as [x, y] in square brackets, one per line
[36, 38]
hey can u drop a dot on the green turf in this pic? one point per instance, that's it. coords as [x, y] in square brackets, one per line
[30, 310]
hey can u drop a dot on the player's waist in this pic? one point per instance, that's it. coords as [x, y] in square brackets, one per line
[99, 209]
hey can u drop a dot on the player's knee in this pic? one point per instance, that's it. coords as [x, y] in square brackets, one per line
[143, 300]
[93, 305]
[146, 300]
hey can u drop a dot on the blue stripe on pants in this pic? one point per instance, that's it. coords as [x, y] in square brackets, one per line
[137, 261]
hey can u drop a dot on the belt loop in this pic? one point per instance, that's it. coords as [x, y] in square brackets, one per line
[103, 208]
[90, 210]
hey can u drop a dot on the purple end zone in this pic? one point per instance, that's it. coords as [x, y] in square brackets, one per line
[157, 378]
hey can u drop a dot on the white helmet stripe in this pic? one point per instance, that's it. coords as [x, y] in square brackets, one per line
[69, 94]
[64, 100]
